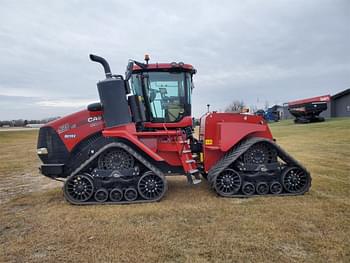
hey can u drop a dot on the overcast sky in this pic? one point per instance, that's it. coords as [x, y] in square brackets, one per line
[254, 51]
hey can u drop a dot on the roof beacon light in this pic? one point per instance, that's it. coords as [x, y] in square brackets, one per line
[146, 58]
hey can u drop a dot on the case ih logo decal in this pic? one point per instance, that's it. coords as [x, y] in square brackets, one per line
[93, 119]
[67, 126]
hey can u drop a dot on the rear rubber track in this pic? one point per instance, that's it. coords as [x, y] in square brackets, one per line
[233, 155]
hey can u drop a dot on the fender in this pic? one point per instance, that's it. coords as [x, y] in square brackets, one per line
[221, 131]
[233, 132]
[128, 132]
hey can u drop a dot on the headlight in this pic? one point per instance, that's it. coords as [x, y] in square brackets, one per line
[41, 151]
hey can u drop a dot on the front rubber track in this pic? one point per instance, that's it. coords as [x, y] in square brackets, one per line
[137, 156]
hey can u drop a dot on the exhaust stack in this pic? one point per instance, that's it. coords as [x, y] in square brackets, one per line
[112, 92]
[104, 64]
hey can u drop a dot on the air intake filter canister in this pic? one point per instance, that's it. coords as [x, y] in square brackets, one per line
[113, 99]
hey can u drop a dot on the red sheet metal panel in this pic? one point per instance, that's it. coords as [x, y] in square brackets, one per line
[324, 98]
[221, 131]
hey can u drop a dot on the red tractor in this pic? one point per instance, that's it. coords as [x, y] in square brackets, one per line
[120, 149]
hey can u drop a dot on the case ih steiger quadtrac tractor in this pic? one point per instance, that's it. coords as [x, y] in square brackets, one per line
[120, 149]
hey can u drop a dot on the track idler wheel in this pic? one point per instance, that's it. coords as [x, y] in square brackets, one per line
[130, 194]
[116, 195]
[248, 188]
[262, 188]
[227, 183]
[151, 186]
[78, 188]
[101, 195]
[295, 180]
[115, 159]
[276, 188]
[260, 153]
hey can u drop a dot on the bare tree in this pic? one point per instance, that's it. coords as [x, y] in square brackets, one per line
[235, 106]
[253, 108]
[266, 105]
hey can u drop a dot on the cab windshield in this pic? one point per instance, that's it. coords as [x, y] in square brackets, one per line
[167, 94]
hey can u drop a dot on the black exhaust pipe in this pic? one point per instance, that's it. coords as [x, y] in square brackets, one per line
[104, 64]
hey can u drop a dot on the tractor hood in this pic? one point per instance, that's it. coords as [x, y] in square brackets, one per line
[73, 128]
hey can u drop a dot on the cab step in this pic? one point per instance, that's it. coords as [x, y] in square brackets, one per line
[191, 179]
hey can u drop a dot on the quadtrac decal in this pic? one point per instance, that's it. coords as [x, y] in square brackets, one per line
[70, 136]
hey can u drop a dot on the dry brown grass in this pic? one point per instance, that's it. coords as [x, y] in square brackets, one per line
[191, 224]
[19, 165]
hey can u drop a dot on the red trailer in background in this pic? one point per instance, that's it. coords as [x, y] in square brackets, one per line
[308, 110]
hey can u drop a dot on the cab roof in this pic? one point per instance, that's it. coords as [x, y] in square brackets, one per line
[165, 66]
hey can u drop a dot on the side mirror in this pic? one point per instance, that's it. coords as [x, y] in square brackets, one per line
[128, 71]
[192, 84]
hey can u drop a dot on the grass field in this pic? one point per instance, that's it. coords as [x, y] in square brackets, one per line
[191, 224]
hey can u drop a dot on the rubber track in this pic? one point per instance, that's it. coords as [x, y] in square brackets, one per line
[239, 149]
[138, 157]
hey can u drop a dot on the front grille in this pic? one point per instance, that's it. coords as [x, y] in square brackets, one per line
[57, 151]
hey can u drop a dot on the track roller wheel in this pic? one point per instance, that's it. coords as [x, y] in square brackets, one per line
[276, 188]
[295, 180]
[248, 188]
[151, 186]
[78, 188]
[116, 195]
[228, 182]
[262, 188]
[130, 194]
[101, 195]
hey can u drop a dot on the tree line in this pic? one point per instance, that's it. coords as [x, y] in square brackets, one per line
[23, 123]
[238, 106]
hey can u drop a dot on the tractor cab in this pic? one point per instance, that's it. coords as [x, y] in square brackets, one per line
[164, 89]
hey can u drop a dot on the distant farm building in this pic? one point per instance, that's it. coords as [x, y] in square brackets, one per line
[340, 104]
[279, 110]
[36, 125]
